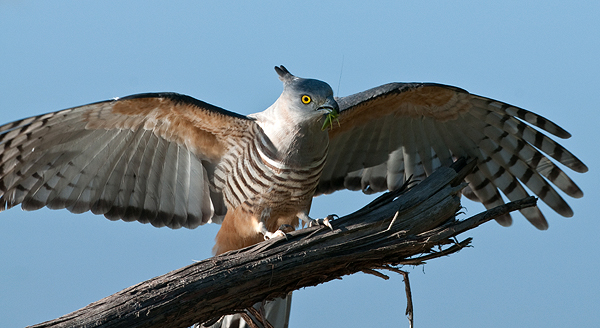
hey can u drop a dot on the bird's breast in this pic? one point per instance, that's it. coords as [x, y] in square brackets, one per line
[264, 177]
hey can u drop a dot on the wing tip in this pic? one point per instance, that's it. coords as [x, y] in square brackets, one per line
[504, 220]
[535, 217]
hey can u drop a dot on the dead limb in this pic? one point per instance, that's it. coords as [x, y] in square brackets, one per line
[368, 239]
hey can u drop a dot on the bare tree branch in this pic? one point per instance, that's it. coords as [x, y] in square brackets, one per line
[398, 228]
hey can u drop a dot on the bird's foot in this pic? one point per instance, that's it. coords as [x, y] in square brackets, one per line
[323, 222]
[281, 232]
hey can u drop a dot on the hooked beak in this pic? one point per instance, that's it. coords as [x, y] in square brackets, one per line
[332, 112]
[331, 106]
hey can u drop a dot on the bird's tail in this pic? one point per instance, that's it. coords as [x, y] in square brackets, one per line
[276, 312]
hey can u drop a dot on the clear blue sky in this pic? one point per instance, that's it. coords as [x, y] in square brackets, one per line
[542, 56]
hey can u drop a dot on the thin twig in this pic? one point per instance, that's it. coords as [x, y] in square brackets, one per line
[452, 249]
[409, 303]
[376, 274]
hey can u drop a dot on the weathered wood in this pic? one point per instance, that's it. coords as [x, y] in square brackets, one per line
[395, 229]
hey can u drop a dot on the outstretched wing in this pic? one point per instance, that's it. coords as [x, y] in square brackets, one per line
[397, 130]
[146, 157]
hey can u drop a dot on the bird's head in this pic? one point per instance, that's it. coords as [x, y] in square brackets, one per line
[307, 99]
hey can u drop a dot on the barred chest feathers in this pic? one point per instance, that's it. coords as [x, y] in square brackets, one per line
[278, 176]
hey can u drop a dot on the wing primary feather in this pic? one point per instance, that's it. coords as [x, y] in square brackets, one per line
[182, 187]
[35, 188]
[138, 196]
[93, 171]
[341, 164]
[74, 171]
[438, 143]
[330, 170]
[423, 146]
[487, 194]
[523, 152]
[497, 172]
[357, 157]
[167, 186]
[508, 110]
[122, 179]
[507, 170]
[29, 157]
[536, 138]
[485, 191]
[107, 180]
[151, 199]
[64, 153]
[200, 210]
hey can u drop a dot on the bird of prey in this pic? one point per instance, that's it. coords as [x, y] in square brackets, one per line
[172, 160]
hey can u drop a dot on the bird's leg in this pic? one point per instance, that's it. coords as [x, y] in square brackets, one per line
[310, 222]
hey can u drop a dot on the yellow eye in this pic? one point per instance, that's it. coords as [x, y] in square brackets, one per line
[306, 99]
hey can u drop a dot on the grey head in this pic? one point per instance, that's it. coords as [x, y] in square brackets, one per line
[304, 111]
[307, 95]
